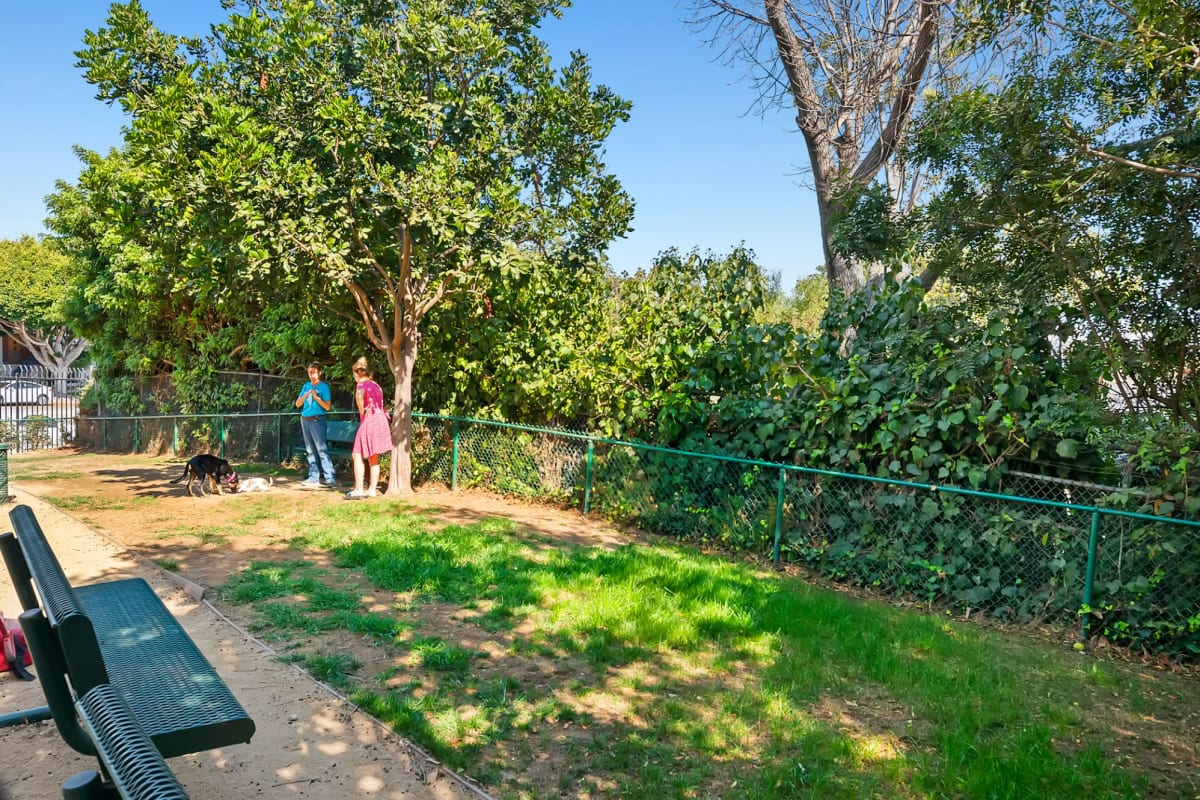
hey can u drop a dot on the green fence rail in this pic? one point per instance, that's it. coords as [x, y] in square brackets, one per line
[1133, 578]
[3, 472]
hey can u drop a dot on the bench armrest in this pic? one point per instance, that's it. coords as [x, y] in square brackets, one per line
[52, 675]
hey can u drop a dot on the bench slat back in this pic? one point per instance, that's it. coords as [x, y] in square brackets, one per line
[52, 675]
[340, 431]
[60, 603]
[58, 598]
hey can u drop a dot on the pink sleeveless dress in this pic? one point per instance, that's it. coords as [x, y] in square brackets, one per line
[374, 430]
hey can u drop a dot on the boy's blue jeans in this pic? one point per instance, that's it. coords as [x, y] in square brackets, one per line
[320, 466]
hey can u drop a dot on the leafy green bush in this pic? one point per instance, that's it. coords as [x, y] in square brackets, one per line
[1145, 592]
[893, 387]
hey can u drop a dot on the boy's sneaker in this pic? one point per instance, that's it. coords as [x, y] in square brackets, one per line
[310, 483]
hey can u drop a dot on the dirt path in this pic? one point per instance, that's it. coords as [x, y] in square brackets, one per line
[308, 742]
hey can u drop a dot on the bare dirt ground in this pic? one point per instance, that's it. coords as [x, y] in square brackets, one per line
[308, 743]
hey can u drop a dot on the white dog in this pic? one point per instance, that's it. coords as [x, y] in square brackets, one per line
[255, 484]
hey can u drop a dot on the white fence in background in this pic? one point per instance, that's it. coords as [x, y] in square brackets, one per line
[39, 407]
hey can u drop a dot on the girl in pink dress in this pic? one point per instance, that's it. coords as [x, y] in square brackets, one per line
[374, 435]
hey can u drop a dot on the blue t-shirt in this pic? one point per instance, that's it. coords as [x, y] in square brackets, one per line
[311, 408]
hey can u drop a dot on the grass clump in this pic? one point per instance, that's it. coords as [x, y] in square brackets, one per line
[438, 654]
[98, 502]
[335, 669]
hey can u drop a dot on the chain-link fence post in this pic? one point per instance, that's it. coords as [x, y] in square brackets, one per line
[779, 516]
[587, 479]
[454, 460]
[1089, 578]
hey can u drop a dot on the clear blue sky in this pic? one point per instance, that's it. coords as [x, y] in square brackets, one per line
[703, 171]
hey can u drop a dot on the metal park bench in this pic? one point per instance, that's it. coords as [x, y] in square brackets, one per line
[118, 671]
[340, 436]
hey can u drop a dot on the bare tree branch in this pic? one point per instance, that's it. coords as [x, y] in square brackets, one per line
[853, 71]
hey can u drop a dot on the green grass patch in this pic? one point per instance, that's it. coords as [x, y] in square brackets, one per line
[291, 617]
[263, 470]
[397, 553]
[380, 627]
[97, 502]
[438, 654]
[652, 670]
[26, 473]
[325, 598]
[292, 597]
[335, 669]
[268, 580]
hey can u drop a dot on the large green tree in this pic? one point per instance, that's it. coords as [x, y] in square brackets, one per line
[372, 157]
[34, 283]
[517, 351]
[566, 344]
[1072, 192]
[662, 321]
[145, 317]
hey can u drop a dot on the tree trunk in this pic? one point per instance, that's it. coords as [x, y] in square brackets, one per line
[400, 474]
[841, 273]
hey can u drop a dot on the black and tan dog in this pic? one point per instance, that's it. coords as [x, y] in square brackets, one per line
[216, 470]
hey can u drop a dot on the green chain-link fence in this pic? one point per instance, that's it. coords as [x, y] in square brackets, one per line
[1053, 554]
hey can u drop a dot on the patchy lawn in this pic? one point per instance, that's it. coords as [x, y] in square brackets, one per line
[551, 655]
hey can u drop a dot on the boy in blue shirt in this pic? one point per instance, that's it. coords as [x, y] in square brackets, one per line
[313, 401]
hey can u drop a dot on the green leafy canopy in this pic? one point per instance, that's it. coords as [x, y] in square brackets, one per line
[369, 159]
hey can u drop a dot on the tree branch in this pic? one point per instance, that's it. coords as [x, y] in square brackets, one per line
[906, 94]
[1081, 144]
[56, 348]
